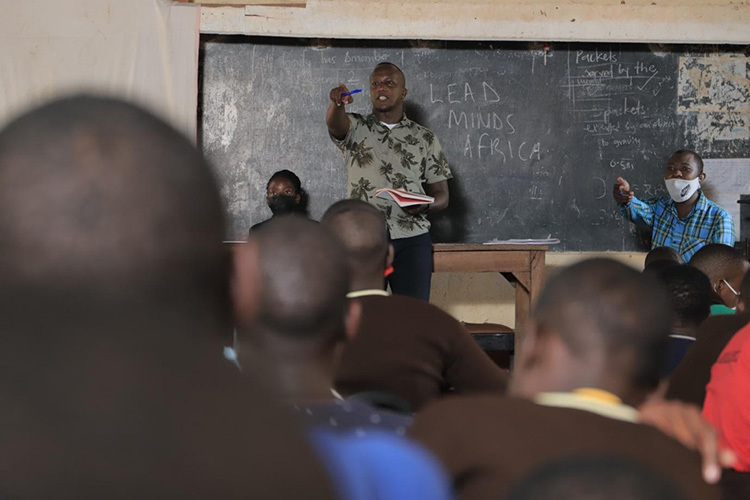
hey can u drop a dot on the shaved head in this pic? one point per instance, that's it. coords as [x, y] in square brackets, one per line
[601, 305]
[303, 283]
[103, 203]
[718, 261]
[394, 67]
[362, 230]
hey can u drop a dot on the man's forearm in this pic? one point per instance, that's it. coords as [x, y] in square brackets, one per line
[439, 191]
[337, 121]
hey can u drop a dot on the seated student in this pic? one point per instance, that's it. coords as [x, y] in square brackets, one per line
[688, 381]
[590, 355]
[300, 315]
[725, 268]
[284, 196]
[113, 293]
[293, 316]
[690, 293]
[727, 407]
[403, 346]
[686, 220]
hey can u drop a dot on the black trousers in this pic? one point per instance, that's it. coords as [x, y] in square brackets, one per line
[412, 264]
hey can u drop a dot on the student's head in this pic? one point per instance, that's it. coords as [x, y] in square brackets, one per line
[297, 300]
[363, 231]
[662, 253]
[594, 477]
[104, 208]
[725, 268]
[387, 87]
[284, 194]
[114, 289]
[690, 292]
[684, 164]
[599, 324]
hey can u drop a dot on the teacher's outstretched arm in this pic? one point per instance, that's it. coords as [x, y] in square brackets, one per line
[338, 123]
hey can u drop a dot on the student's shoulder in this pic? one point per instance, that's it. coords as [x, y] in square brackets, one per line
[471, 409]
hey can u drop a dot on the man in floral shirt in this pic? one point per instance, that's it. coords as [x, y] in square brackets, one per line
[387, 150]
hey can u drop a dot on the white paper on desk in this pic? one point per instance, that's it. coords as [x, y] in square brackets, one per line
[726, 180]
[542, 241]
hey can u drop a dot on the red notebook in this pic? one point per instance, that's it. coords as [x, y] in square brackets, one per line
[404, 198]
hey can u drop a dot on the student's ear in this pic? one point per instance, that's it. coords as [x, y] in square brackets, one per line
[527, 357]
[741, 305]
[528, 353]
[702, 176]
[403, 94]
[389, 256]
[353, 318]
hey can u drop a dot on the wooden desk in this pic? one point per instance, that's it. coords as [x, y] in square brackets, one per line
[521, 265]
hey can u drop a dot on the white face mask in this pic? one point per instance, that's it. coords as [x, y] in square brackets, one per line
[680, 190]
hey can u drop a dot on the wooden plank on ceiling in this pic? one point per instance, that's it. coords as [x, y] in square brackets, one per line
[265, 3]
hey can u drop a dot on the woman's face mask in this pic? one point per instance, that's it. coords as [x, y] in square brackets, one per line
[282, 204]
[681, 190]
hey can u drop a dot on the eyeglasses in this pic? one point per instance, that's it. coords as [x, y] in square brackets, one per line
[730, 287]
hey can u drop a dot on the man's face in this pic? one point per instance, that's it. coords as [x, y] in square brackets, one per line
[387, 89]
[682, 166]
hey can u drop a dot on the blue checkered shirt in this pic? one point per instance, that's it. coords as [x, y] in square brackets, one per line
[706, 223]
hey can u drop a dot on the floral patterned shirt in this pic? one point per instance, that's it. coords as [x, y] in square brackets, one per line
[404, 157]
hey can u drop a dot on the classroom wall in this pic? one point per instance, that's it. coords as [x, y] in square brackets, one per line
[488, 297]
[141, 50]
[664, 21]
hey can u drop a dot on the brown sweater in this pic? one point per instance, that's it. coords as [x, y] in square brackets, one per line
[688, 381]
[414, 350]
[487, 443]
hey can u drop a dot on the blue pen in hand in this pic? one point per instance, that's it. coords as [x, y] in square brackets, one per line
[355, 91]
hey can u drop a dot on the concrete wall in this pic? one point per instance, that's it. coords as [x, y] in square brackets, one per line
[660, 21]
[488, 297]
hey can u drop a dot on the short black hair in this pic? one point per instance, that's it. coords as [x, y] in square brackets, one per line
[690, 291]
[662, 253]
[386, 63]
[602, 304]
[362, 230]
[594, 476]
[287, 175]
[718, 261]
[303, 281]
[696, 157]
[103, 203]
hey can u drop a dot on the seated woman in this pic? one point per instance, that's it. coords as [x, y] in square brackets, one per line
[284, 196]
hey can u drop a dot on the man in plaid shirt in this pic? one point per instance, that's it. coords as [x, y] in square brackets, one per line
[686, 220]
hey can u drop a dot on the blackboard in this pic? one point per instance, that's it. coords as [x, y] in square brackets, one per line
[535, 136]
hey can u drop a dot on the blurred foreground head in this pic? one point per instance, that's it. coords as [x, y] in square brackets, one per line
[114, 293]
[105, 209]
[597, 324]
